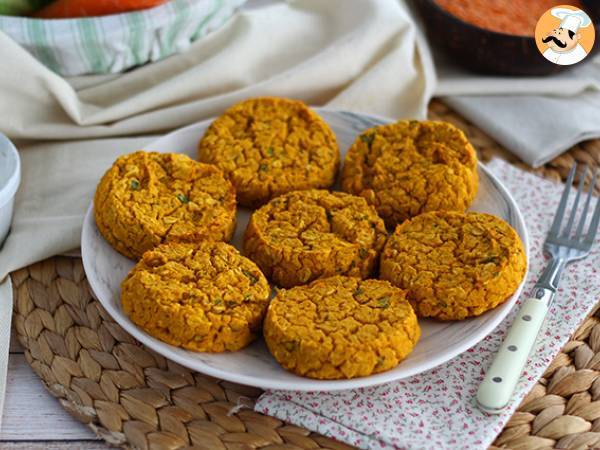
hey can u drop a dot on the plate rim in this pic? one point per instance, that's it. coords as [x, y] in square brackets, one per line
[318, 385]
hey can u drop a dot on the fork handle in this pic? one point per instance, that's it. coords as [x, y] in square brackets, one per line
[501, 378]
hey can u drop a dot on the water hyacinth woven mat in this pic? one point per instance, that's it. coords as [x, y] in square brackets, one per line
[134, 398]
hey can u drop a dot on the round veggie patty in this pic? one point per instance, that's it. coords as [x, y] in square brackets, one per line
[411, 167]
[202, 296]
[454, 265]
[304, 235]
[341, 327]
[270, 146]
[147, 198]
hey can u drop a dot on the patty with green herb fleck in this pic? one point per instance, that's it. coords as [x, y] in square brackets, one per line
[304, 235]
[411, 167]
[454, 265]
[148, 198]
[270, 146]
[203, 296]
[341, 327]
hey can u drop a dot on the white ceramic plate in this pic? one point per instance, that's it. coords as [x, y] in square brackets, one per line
[440, 341]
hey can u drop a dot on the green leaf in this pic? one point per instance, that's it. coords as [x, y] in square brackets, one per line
[290, 346]
[270, 151]
[489, 259]
[183, 199]
[367, 138]
[384, 302]
[252, 278]
[135, 185]
[263, 167]
[358, 291]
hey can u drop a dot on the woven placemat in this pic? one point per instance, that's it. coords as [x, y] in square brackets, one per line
[134, 398]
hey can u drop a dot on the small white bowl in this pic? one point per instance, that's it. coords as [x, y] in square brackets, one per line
[10, 178]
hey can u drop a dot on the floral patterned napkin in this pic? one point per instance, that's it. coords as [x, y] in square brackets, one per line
[435, 409]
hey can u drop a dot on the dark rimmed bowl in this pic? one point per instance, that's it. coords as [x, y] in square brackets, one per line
[490, 52]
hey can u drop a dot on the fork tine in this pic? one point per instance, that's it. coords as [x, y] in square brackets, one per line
[582, 176]
[586, 206]
[591, 235]
[560, 212]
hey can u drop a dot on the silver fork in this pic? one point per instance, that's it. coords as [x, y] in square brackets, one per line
[564, 247]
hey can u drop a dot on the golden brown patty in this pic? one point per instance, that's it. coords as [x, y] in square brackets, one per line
[148, 198]
[304, 235]
[340, 327]
[454, 265]
[410, 167]
[269, 146]
[202, 296]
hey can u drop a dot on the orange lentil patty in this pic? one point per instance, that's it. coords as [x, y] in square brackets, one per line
[341, 327]
[202, 296]
[305, 235]
[147, 198]
[454, 265]
[410, 167]
[269, 146]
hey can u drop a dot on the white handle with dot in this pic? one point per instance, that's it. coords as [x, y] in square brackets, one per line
[501, 378]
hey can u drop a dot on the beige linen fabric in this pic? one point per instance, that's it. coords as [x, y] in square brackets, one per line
[362, 55]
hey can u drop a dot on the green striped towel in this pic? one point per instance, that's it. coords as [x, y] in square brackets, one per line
[112, 44]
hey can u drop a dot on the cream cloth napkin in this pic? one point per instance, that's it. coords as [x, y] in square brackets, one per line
[435, 409]
[355, 54]
[537, 118]
[456, 81]
[362, 55]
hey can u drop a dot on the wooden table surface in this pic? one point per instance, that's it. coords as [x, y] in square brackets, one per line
[33, 418]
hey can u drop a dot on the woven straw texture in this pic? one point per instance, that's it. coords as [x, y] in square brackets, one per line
[135, 398]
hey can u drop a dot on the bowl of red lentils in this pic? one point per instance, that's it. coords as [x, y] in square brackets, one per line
[496, 36]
